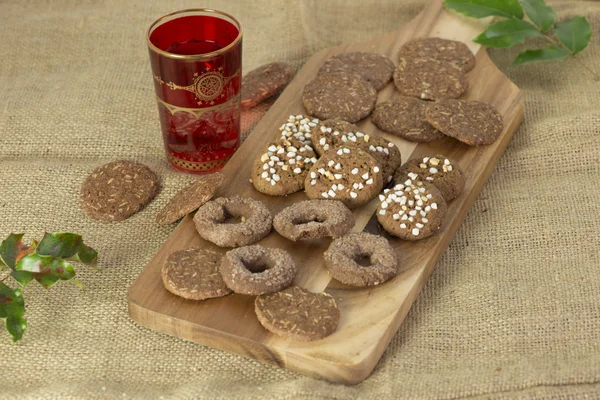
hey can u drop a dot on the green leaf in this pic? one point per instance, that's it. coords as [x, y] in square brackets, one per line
[47, 270]
[551, 53]
[486, 8]
[507, 33]
[575, 33]
[23, 277]
[86, 255]
[12, 311]
[10, 248]
[539, 13]
[60, 244]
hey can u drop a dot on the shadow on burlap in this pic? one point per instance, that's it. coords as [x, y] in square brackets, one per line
[513, 309]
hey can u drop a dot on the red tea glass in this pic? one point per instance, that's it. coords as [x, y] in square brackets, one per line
[196, 58]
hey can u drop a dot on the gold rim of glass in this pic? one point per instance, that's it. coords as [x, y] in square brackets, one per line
[212, 54]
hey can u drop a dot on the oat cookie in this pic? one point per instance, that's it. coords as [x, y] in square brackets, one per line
[451, 51]
[327, 134]
[472, 122]
[429, 79]
[440, 171]
[412, 210]
[298, 127]
[255, 270]
[194, 274]
[212, 221]
[346, 174]
[405, 117]
[313, 219]
[264, 82]
[339, 95]
[190, 198]
[298, 313]
[117, 190]
[374, 68]
[361, 259]
[282, 168]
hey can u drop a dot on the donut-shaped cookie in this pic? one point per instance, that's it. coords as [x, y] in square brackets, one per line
[440, 171]
[313, 219]
[255, 270]
[361, 259]
[255, 221]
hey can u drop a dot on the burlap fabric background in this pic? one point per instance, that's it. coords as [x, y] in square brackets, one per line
[513, 309]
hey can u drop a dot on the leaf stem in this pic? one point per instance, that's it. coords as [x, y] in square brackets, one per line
[555, 42]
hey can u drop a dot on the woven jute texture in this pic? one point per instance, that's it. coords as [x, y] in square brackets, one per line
[512, 311]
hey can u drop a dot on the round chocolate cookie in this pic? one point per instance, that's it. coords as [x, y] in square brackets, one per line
[255, 270]
[117, 190]
[213, 223]
[194, 274]
[429, 79]
[361, 259]
[456, 53]
[327, 135]
[405, 117]
[440, 171]
[412, 210]
[264, 82]
[313, 219]
[374, 68]
[298, 313]
[346, 174]
[472, 122]
[340, 95]
[298, 127]
[282, 168]
[190, 198]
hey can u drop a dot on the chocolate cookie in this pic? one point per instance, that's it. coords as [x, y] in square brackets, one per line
[190, 198]
[405, 117]
[411, 210]
[255, 270]
[264, 82]
[429, 79]
[472, 122]
[194, 274]
[282, 168]
[346, 174]
[440, 171]
[456, 53]
[313, 219]
[339, 95]
[361, 259]
[298, 127]
[117, 190]
[327, 135]
[298, 313]
[374, 68]
[213, 223]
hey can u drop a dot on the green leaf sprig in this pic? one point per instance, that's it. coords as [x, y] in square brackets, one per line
[46, 262]
[566, 38]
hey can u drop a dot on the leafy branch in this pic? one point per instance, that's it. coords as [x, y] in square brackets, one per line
[46, 262]
[566, 38]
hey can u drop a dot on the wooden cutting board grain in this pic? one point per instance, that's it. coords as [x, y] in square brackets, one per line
[369, 317]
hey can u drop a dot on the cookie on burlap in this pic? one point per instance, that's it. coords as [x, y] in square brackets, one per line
[282, 168]
[340, 95]
[440, 171]
[298, 313]
[313, 219]
[327, 135]
[190, 198]
[264, 82]
[374, 68]
[194, 274]
[361, 259]
[412, 210]
[213, 223]
[456, 53]
[346, 174]
[117, 190]
[255, 270]
[429, 79]
[405, 117]
[472, 122]
[298, 127]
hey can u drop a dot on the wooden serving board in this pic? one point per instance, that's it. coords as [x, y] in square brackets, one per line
[369, 317]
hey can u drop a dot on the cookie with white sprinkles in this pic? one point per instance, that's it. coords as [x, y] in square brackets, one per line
[440, 171]
[412, 210]
[328, 134]
[346, 174]
[298, 127]
[282, 168]
[405, 117]
[374, 68]
[429, 79]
